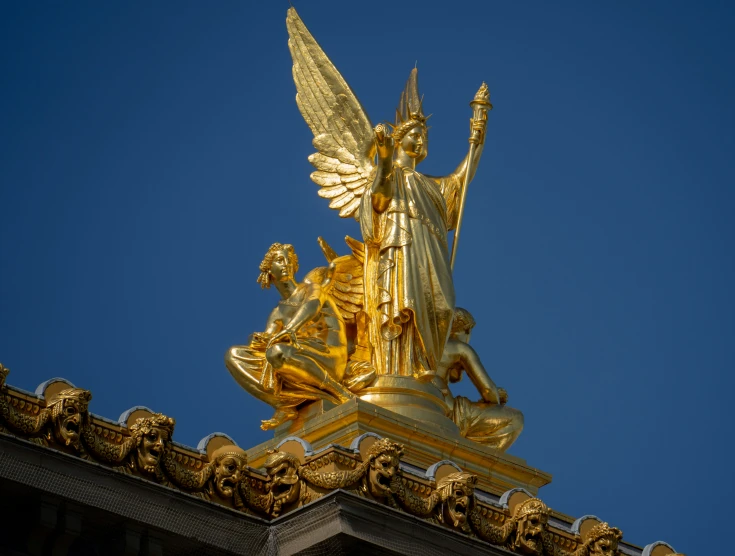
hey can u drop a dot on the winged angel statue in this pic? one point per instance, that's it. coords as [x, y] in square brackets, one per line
[389, 306]
[404, 215]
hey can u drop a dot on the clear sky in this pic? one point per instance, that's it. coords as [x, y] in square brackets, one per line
[151, 152]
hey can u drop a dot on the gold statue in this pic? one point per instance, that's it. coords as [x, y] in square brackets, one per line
[488, 421]
[302, 353]
[404, 215]
[377, 320]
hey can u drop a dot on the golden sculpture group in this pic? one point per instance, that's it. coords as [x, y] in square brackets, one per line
[59, 418]
[380, 322]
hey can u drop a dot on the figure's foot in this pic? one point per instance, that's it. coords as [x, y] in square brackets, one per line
[269, 424]
[359, 375]
[279, 417]
[335, 389]
[344, 395]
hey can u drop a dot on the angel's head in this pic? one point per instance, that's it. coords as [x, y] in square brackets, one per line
[280, 264]
[411, 137]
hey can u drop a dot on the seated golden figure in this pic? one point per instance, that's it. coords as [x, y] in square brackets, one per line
[302, 353]
[488, 421]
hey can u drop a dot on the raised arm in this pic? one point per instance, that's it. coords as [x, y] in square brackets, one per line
[382, 186]
[452, 184]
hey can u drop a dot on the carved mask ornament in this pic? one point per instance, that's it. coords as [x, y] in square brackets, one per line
[230, 464]
[602, 540]
[284, 483]
[68, 414]
[458, 497]
[531, 517]
[151, 435]
[385, 458]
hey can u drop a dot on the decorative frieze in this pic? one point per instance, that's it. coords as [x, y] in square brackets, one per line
[141, 444]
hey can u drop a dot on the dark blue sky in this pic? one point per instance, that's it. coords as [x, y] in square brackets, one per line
[151, 152]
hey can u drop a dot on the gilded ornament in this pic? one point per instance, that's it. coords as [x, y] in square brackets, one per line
[601, 540]
[413, 503]
[16, 420]
[334, 479]
[149, 438]
[284, 485]
[531, 518]
[62, 421]
[145, 449]
[230, 464]
[68, 413]
[384, 458]
[457, 493]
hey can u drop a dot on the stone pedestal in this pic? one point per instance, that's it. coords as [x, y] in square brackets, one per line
[428, 443]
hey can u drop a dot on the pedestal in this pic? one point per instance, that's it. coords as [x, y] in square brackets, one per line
[427, 442]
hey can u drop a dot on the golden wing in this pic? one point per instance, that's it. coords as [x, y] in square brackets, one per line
[343, 134]
[347, 282]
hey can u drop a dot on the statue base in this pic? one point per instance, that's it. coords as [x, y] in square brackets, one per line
[428, 441]
[407, 396]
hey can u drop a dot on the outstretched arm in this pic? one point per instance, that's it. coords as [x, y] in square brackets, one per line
[477, 373]
[313, 300]
[477, 127]
[452, 185]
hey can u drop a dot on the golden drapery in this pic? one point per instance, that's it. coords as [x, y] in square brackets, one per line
[409, 292]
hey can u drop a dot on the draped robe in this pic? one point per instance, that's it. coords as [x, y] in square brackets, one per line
[409, 293]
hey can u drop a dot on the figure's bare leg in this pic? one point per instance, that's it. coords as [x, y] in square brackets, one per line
[297, 368]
